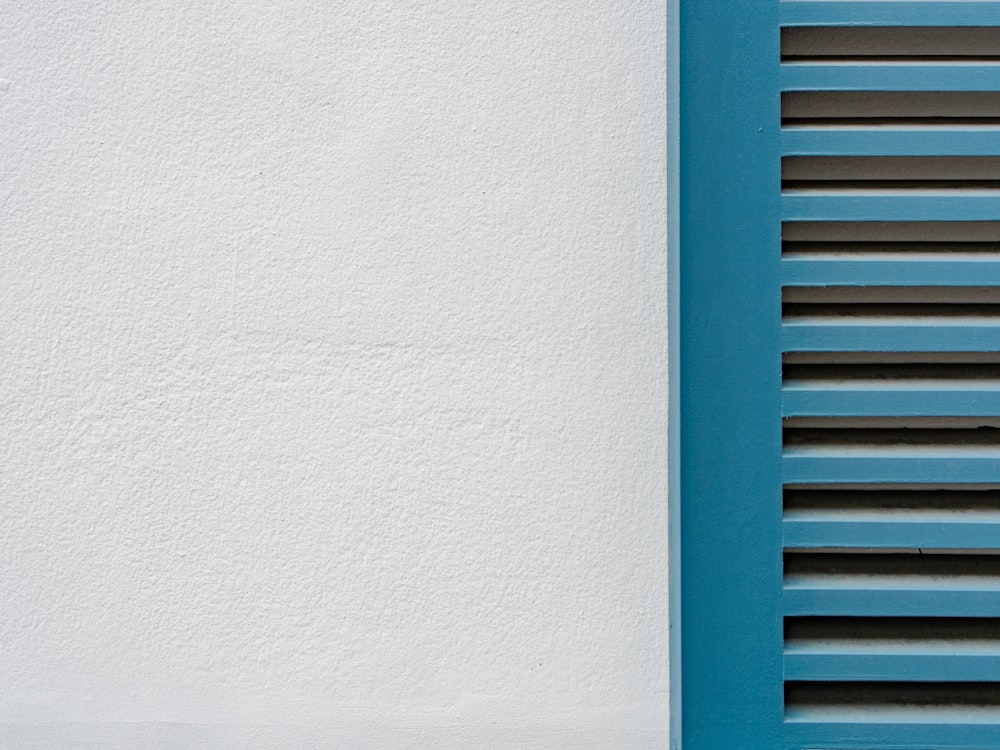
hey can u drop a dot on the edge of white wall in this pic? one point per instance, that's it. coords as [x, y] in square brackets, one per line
[50, 720]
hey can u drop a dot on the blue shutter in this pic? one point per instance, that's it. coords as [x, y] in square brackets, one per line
[838, 291]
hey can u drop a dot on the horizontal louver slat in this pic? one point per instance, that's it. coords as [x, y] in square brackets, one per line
[891, 389]
[891, 141]
[879, 205]
[877, 335]
[931, 662]
[891, 399]
[887, 466]
[890, 77]
[864, 533]
[889, 13]
[873, 270]
[899, 729]
[885, 596]
[860, 530]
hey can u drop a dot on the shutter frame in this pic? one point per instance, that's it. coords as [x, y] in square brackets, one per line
[729, 444]
[743, 684]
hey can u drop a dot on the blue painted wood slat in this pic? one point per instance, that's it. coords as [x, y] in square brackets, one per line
[880, 335]
[888, 597]
[896, 662]
[891, 141]
[881, 465]
[889, 13]
[857, 530]
[884, 205]
[881, 398]
[890, 77]
[865, 269]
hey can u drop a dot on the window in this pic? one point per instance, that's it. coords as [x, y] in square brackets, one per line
[837, 288]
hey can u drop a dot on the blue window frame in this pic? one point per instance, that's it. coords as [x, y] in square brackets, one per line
[824, 627]
[729, 372]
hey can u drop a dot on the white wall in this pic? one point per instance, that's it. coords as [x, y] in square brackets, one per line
[333, 392]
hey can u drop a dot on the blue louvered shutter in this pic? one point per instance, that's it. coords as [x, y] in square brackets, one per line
[838, 287]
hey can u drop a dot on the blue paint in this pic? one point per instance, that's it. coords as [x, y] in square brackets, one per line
[890, 141]
[890, 598]
[878, 335]
[730, 369]
[914, 663]
[882, 465]
[943, 730]
[889, 13]
[884, 205]
[674, 329]
[889, 77]
[855, 530]
[917, 270]
[730, 461]
[881, 398]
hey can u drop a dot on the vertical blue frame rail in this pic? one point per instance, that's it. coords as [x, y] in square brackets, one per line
[674, 328]
[730, 375]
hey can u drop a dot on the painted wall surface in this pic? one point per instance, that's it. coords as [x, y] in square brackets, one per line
[333, 403]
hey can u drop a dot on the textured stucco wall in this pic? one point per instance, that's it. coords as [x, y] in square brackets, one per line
[333, 404]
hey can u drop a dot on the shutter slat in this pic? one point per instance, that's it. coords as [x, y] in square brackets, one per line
[877, 335]
[885, 597]
[890, 141]
[881, 465]
[888, 13]
[923, 729]
[890, 77]
[890, 277]
[891, 399]
[873, 270]
[918, 662]
[879, 205]
[857, 530]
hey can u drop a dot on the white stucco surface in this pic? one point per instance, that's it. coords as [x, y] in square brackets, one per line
[333, 390]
